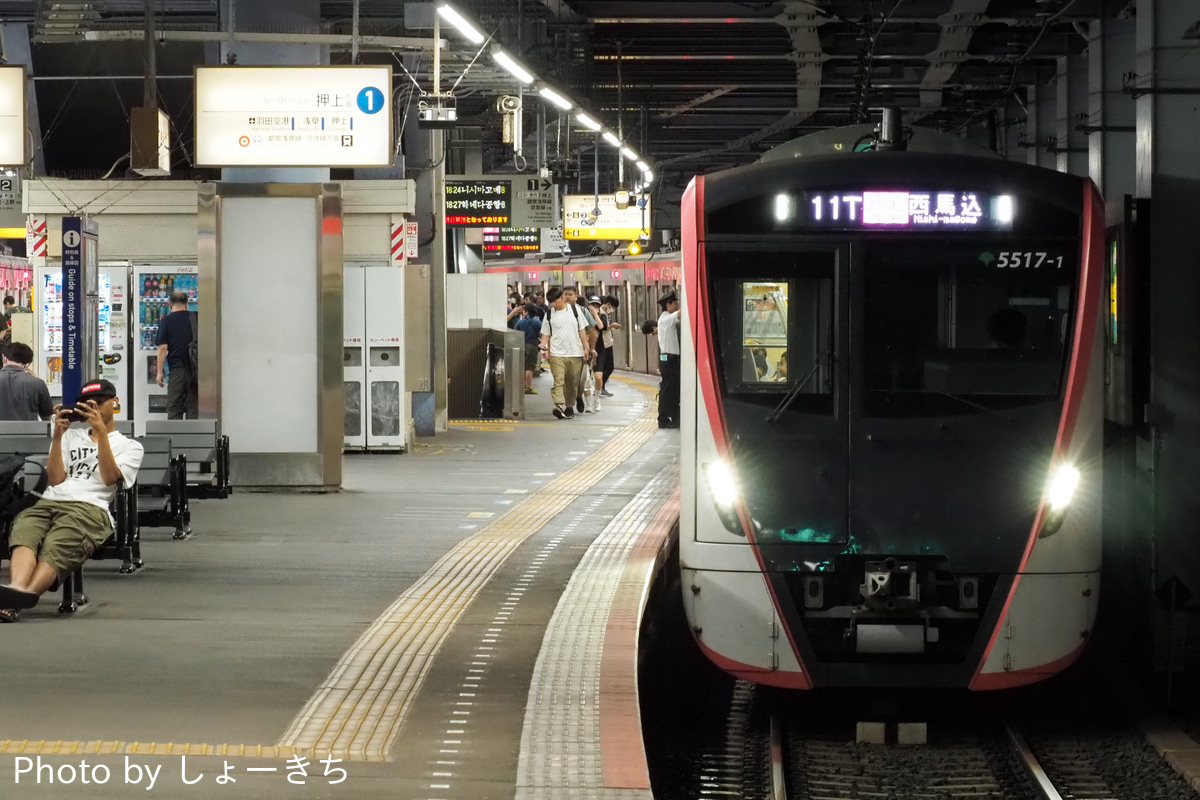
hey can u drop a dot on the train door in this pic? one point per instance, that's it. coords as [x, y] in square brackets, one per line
[640, 356]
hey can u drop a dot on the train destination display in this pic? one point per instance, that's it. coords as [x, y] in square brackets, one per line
[483, 203]
[901, 209]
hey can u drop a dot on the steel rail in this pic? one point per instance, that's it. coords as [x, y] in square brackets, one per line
[1032, 766]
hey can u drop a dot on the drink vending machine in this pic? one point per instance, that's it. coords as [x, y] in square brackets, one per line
[113, 331]
[154, 285]
[373, 358]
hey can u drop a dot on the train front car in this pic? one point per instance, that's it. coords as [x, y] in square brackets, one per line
[892, 406]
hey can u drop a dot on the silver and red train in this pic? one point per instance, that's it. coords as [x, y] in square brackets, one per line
[891, 415]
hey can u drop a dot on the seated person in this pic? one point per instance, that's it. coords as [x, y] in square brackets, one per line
[781, 366]
[761, 364]
[62, 530]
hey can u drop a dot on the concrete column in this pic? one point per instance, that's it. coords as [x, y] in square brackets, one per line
[425, 157]
[1109, 110]
[1168, 171]
[1119, 146]
[14, 43]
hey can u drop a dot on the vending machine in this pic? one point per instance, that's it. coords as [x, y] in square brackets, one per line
[373, 359]
[113, 330]
[153, 285]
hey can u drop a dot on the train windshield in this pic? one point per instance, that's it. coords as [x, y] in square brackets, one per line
[938, 329]
[949, 327]
[775, 326]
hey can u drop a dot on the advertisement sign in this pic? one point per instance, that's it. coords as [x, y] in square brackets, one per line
[13, 141]
[580, 220]
[338, 116]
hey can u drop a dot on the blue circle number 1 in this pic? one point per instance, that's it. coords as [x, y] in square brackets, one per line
[370, 100]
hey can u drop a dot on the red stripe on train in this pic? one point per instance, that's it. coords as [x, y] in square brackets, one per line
[695, 282]
[1085, 336]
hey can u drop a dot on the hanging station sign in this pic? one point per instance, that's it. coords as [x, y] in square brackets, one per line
[619, 217]
[478, 203]
[339, 116]
[511, 240]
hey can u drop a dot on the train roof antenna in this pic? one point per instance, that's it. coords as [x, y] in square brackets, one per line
[889, 133]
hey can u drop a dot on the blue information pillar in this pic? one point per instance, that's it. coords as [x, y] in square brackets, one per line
[80, 260]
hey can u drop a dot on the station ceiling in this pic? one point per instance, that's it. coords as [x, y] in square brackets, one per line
[695, 86]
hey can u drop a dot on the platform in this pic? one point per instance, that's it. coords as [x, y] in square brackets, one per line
[459, 622]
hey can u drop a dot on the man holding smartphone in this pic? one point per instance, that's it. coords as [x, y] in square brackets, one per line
[62, 530]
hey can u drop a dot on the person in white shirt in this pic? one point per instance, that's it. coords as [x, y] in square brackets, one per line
[62, 530]
[564, 336]
[668, 354]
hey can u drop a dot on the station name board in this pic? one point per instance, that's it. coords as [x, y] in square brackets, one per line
[339, 116]
[483, 203]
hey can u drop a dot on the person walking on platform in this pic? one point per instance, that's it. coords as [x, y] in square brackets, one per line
[23, 395]
[61, 530]
[589, 353]
[526, 320]
[174, 336]
[668, 366]
[564, 338]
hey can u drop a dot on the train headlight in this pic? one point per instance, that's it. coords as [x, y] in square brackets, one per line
[1062, 485]
[1059, 491]
[722, 485]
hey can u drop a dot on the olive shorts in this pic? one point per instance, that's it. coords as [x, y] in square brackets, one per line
[63, 533]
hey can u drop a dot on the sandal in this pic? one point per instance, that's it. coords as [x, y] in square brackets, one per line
[9, 615]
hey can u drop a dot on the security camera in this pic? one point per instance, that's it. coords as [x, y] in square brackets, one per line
[508, 104]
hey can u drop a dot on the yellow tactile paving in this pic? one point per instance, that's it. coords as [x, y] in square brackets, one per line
[362, 703]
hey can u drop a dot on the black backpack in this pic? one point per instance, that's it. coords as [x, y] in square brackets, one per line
[193, 351]
[14, 497]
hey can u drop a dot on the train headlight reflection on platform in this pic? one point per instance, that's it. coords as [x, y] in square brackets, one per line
[722, 484]
[1059, 491]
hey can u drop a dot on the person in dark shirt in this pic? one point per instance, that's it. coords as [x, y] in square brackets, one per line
[174, 336]
[23, 395]
[525, 319]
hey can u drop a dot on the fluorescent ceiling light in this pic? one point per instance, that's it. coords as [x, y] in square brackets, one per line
[514, 69]
[612, 139]
[632, 156]
[464, 27]
[587, 121]
[556, 98]
[649, 176]
[643, 166]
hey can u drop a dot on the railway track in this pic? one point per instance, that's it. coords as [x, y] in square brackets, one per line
[986, 761]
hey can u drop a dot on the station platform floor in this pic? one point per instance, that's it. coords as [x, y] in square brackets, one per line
[459, 622]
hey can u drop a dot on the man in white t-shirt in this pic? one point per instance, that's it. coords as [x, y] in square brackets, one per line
[62, 530]
[668, 355]
[564, 335]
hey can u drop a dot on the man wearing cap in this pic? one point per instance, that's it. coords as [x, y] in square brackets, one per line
[668, 360]
[59, 532]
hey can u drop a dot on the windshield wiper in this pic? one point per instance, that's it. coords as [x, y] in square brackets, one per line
[795, 390]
